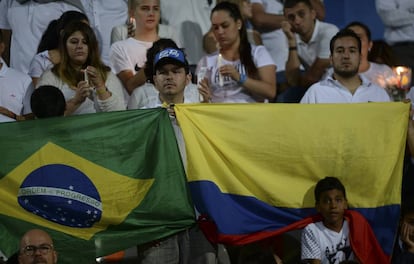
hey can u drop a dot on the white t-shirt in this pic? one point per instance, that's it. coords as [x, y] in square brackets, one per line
[16, 89]
[331, 91]
[319, 242]
[120, 32]
[28, 22]
[40, 63]
[92, 104]
[232, 92]
[318, 46]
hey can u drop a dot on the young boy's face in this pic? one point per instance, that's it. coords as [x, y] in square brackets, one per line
[332, 205]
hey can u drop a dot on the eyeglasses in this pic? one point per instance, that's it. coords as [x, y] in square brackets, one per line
[31, 250]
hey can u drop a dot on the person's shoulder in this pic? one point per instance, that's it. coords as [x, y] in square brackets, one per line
[327, 25]
[380, 67]
[327, 28]
[315, 227]
[17, 75]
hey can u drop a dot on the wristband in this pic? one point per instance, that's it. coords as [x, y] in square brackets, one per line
[242, 79]
[101, 92]
[293, 48]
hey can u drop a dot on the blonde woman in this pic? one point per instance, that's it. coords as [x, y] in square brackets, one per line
[128, 56]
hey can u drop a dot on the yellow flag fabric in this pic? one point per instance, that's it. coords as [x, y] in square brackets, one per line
[246, 158]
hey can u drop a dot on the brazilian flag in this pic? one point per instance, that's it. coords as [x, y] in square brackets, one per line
[97, 183]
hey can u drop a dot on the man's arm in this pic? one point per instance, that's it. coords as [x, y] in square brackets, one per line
[131, 80]
[264, 21]
[314, 73]
[393, 16]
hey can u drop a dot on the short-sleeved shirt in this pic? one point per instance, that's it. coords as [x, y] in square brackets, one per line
[318, 45]
[231, 91]
[15, 90]
[320, 242]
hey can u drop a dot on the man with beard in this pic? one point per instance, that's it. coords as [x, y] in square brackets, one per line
[308, 48]
[36, 246]
[345, 85]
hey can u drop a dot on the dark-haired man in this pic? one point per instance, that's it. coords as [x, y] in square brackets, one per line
[345, 85]
[308, 40]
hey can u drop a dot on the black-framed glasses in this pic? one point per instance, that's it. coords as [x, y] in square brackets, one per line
[30, 250]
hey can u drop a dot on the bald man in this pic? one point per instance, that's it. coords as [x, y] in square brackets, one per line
[36, 246]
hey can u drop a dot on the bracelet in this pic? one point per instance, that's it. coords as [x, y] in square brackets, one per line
[242, 79]
[101, 92]
[293, 48]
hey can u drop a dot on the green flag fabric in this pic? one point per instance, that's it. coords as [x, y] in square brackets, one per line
[97, 183]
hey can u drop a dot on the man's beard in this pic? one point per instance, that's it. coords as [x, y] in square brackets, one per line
[346, 73]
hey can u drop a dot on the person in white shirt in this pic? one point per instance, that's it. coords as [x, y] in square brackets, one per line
[345, 85]
[147, 93]
[267, 18]
[328, 241]
[86, 82]
[48, 50]
[239, 72]
[398, 19]
[374, 72]
[128, 57]
[308, 41]
[27, 21]
[15, 91]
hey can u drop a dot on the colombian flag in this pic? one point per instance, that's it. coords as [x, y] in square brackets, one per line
[97, 183]
[252, 168]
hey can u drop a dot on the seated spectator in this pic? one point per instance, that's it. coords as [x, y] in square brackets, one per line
[48, 50]
[15, 91]
[209, 41]
[87, 84]
[128, 56]
[308, 40]
[48, 101]
[239, 72]
[36, 246]
[267, 16]
[147, 92]
[376, 73]
[345, 85]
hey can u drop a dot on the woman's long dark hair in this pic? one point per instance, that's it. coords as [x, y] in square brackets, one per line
[50, 37]
[64, 69]
[245, 49]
